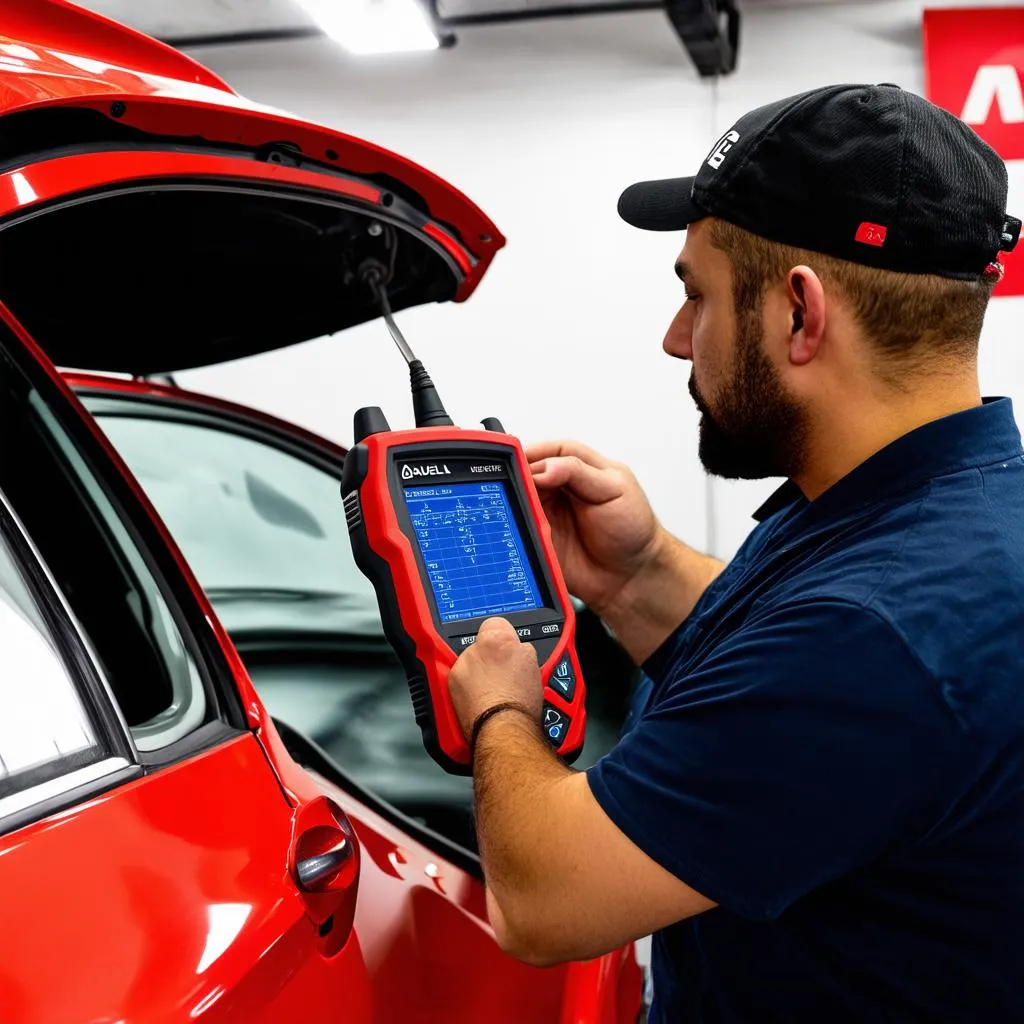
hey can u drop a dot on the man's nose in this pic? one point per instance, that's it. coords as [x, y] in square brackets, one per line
[678, 341]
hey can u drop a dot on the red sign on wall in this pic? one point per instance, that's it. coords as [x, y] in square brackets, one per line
[973, 67]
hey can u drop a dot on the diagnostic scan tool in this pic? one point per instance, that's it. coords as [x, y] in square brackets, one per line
[448, 527]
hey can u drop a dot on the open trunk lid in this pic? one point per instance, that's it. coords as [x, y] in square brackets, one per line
[152, 220]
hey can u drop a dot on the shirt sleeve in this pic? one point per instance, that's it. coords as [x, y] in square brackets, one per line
[810, 742]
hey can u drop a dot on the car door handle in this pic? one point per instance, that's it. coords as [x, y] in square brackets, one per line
[315, 873]
[323, 862]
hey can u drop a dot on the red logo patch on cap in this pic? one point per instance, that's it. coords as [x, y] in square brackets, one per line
[871, 234]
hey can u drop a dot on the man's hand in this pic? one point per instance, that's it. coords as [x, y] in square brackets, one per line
[602, 524]
[498, 668]
[614, 553]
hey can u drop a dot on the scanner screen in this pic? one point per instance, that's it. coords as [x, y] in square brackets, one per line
[473, 550]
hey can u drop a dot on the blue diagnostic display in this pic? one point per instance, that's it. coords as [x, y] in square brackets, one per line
[473, 550]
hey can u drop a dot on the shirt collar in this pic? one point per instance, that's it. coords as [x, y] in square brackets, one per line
[974, 437]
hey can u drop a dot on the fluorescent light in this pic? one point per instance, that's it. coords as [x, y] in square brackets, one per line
[374, 26]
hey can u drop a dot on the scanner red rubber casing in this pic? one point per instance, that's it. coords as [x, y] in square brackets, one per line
[385, 554]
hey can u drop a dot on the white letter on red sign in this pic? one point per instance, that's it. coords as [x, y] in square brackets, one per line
[998, 82]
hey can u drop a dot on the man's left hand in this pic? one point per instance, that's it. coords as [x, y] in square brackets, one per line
[498, 668]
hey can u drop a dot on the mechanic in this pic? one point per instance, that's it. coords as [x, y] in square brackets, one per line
[820, 813]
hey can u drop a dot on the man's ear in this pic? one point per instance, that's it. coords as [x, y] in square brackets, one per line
[807, 309]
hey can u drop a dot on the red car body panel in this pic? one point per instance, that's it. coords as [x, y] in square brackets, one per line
[423, 927]
[172, 897]
[68, 29]
[201, 923]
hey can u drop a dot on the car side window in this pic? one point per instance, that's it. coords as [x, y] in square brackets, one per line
[257, 524]
[51, 740]
[182, 703]
[87, 543]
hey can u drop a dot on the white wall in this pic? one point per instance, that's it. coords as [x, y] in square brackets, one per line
[543, 124]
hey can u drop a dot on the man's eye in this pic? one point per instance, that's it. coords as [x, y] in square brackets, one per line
[692, 297]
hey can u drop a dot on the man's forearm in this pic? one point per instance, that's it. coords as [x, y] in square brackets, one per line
[563, 882]
[516, 781]
[647, 610]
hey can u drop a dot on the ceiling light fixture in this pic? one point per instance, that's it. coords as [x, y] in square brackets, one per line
[374, 26]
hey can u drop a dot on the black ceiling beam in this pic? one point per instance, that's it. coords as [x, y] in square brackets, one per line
[709, 29]
[259, 35]
[555, 11]
[443, 24]
[274, 35]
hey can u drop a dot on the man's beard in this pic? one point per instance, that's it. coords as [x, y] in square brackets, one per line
[757, 429]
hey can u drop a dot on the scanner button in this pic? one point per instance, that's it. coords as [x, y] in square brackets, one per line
[353, 511]
[563, 679]
[544, 647]
[556, 725]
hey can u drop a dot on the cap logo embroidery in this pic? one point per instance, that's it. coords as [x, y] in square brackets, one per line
[724, 144]
[871, 234]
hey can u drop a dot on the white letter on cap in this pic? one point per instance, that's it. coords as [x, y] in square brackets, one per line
[998, 82]
[722, 147]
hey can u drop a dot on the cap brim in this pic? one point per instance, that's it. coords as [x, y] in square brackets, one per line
[663, 205]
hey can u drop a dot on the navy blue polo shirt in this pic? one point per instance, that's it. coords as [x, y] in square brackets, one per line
[833, 750]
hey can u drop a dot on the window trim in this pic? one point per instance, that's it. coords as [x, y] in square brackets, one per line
[61, 789]
[43, 793]
[192, 412]
[229, 717]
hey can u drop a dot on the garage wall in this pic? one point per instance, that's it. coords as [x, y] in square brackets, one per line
[543, 124]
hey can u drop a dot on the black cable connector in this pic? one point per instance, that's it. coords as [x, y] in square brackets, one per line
[426, 403]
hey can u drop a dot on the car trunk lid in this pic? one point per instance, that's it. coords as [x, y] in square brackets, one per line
[152, 220]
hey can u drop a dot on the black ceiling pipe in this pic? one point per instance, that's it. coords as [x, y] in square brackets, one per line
[257, 35]
[710, 31]
[273, 35]
[554, 11]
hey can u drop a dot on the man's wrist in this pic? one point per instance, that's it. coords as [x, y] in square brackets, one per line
[492, 712]
[633, 590]
[652, 604]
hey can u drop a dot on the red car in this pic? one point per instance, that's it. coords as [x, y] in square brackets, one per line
[163, 855]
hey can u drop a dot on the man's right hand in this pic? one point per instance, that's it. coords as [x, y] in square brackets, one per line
[604, 529]
[614, 554]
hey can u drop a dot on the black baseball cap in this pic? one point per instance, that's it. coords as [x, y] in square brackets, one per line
[867, 173]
